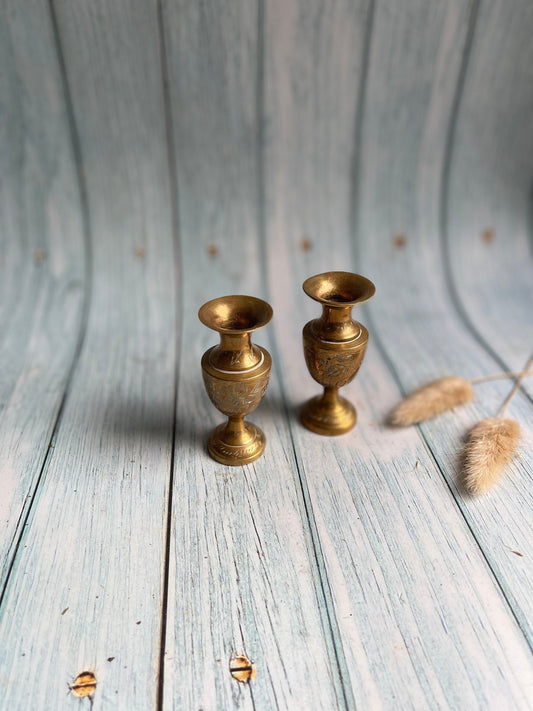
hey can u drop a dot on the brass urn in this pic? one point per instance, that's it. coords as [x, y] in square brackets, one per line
[236, 374]
[334, 346]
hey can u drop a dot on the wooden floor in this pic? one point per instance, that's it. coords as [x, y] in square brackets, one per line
[155, 156]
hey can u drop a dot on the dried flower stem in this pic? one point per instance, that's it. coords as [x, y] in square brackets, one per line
[499, 376]
[446, 393]
[492, 444]
[515, 387]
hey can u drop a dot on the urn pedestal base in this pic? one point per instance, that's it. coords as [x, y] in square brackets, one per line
[236, 443]
[329, 414]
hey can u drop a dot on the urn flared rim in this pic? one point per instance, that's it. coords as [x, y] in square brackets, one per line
[339, 289]
[235, 314]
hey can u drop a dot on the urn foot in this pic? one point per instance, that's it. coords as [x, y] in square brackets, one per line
[329, 415]
[236, 443]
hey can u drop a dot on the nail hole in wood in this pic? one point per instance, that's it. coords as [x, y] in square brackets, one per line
[306, 245]
[488, 235]
[242, 669]
[212, 250]
[84, 684]
[399, 241]
[140, 252]
[39, 255]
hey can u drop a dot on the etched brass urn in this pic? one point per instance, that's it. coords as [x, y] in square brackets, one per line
[334, 346]
[236, 374]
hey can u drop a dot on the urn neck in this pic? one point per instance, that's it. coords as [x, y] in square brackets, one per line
[235, 352]
[336, 324]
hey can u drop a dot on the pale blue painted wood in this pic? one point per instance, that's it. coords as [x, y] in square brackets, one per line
[243, 578]
[488, 211]
[278, 139]
[414, 603]
[422, 335]
[42, 260]
[86, 589]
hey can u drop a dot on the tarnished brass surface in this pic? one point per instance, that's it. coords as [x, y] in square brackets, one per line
[334, 346]
[236, 375]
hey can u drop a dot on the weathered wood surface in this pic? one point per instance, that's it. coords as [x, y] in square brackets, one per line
[487, 207]
[433, 339]
[86, 587]
[243, 578]
[156, 156]
[403, 560]
[42, 260]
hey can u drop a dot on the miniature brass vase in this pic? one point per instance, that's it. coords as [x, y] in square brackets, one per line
[334, 346]
[236, 374]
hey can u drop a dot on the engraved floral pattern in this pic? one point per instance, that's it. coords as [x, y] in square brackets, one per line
[330, 368]
[236, 397]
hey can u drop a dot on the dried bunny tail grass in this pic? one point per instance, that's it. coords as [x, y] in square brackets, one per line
[491, 445]
[432, 399]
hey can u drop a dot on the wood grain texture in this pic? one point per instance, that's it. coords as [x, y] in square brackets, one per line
[243, 577]
[156, 155]
[421, 334]
[412, 596]
[42, 259]
[86, 589]
[488, 210]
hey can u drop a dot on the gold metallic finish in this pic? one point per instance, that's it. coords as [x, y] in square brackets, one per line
[236, 374]
[334, 346]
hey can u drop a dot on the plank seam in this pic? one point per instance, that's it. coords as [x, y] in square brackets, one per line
[330, 625]
[173, 183]
[424, 438]
[247, 688]
[356, 155]
[530, 219]
[445, 198]
[88, 278]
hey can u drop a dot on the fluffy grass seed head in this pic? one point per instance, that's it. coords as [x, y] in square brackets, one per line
[432, 399]
[490, 447]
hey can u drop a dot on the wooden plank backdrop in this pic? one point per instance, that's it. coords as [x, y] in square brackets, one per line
[154, 155]
[87, 581]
